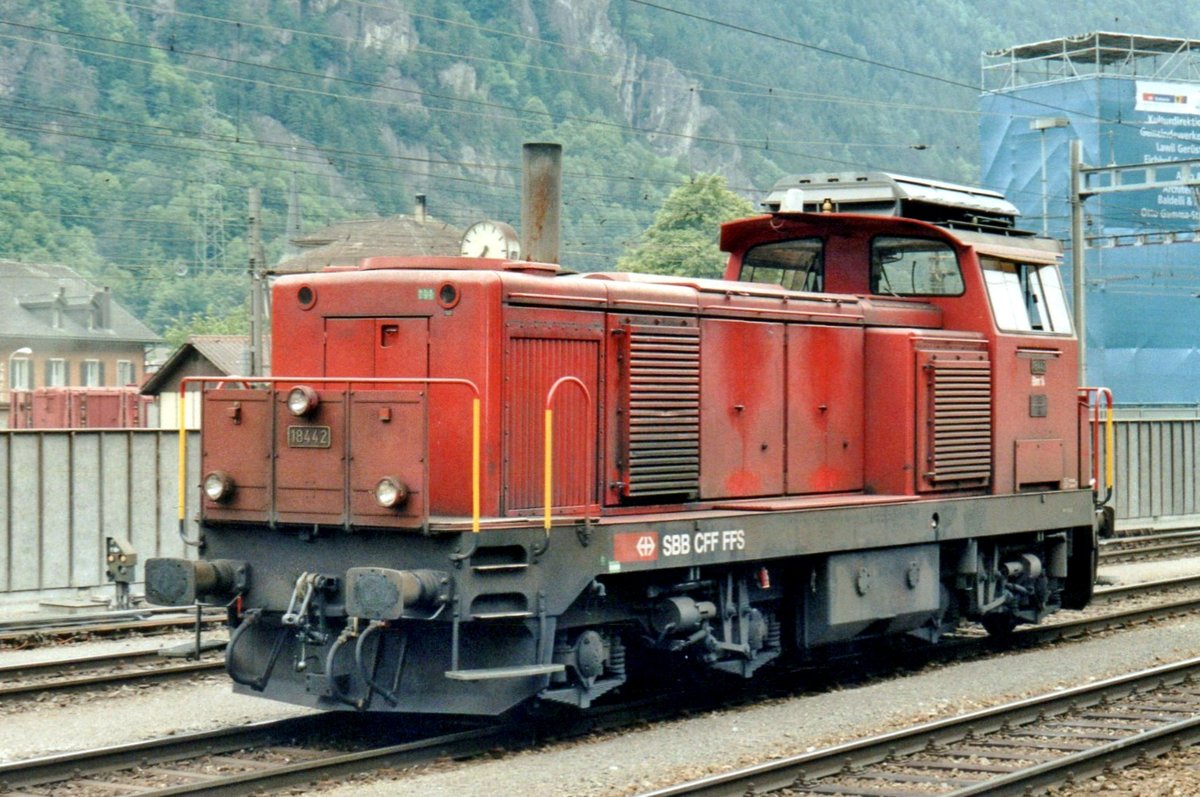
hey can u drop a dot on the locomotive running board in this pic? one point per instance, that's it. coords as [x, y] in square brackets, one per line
[784, 504]
[497, 673]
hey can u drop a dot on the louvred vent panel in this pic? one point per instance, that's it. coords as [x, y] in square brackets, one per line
[662, 411]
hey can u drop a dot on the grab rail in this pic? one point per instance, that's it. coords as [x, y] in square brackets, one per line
[1092, 398]
[337, 380]
[548, 490]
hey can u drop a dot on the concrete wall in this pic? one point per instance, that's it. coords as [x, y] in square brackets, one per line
[62, 492]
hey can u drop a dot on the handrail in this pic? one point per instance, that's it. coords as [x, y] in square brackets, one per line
[1091, 398]
[349, 382]
[548, 456]
[181, 415]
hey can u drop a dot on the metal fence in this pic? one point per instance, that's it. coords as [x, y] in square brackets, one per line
[62, 492]
[1157, 482]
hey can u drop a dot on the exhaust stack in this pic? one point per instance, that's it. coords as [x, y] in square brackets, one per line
[541, 202]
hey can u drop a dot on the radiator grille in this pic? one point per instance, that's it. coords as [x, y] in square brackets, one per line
[960, 448]
[532, 366]
[662, 411]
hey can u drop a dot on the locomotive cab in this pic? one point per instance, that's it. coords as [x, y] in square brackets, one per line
[474, 483]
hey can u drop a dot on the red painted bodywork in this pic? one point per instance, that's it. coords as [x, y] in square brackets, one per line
[744, 392]
[79, 408]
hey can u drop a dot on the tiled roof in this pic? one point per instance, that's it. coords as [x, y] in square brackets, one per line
[228, 354]
[41, 301]
[346, 243]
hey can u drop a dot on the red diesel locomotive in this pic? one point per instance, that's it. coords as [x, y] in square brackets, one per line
[471, 483]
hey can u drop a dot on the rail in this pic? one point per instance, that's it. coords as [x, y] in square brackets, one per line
[548, 457]
[1090, 398]
[348, 382]
[1018, 748]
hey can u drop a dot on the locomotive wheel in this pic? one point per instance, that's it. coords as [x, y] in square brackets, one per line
[999, 624]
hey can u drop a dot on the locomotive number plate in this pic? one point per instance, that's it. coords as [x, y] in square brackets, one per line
[309, 437]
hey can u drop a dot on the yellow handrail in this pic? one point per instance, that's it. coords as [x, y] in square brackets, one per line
[548, 469]
[181, 415]
[1110, 444]
[348, 382]
[548, 491]
[1105, 396]
[475, 464]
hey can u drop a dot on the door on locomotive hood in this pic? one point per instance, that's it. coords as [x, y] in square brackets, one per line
[377, 347]
[1036, 373]
[381, 430]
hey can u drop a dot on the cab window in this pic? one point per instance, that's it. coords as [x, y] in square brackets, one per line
[797, 265]
[1025, 297]
[914, 267]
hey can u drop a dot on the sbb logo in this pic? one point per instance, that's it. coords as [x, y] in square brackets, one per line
[635, 546]
[704, 542]
[677, 545]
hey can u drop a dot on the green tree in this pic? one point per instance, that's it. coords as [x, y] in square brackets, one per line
[236, 323]
[683, 239]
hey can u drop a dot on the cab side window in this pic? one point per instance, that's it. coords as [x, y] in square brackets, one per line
[914, 267]
[797, 265]
[1026, 297]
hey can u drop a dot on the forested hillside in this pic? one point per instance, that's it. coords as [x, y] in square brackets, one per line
[131, 131]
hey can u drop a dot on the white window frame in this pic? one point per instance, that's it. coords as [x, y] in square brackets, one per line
[91, 373]
[56, 372]
[1012, 303]
[20, 375]
[126, 373]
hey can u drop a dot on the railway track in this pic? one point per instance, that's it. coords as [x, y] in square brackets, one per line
[29, 633]
[1150, 546]
[1118, 592]
[302, 750]
[242, 760]
[97, 671]
[1008, 750]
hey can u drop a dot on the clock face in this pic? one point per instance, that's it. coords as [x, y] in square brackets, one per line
[493, 239]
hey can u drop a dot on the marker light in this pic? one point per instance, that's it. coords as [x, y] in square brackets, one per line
[302, 400]
[390, 492]
[218, 486]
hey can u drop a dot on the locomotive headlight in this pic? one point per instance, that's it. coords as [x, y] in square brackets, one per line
[390, 492]
[302, 400]
[218, 486]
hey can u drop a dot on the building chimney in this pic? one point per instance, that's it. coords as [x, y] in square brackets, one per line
[102, 309]
[419, 209]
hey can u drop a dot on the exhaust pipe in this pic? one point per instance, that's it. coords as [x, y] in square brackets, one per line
[541, 202]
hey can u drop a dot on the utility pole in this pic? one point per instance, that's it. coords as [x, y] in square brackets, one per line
[256, 276]
[1077, 245]
[293, 219]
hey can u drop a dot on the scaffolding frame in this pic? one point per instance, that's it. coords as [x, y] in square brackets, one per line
[1089, 55]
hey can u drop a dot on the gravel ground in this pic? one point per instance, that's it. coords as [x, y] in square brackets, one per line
[641, 759]
[667, 753]
[1175, 775]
